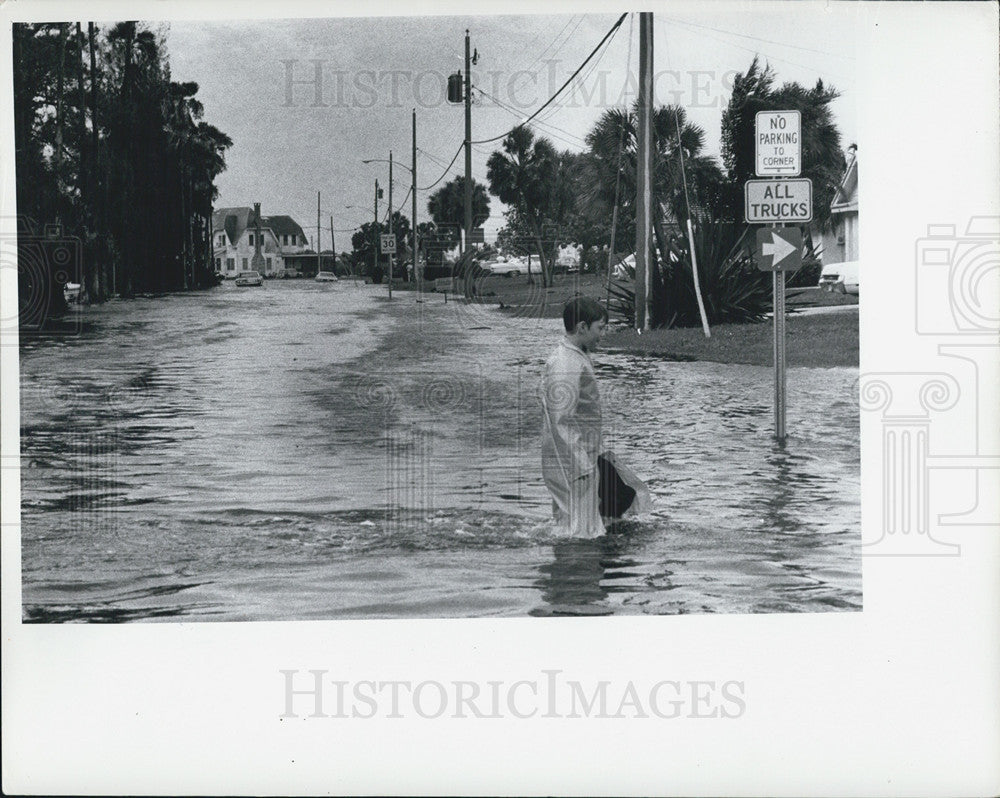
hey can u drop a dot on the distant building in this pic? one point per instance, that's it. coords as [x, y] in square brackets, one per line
[234, 243]
[841, 244]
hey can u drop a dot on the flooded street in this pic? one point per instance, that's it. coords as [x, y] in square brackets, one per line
[316, 451]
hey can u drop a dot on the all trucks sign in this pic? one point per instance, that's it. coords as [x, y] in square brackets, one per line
[770, 201]
[778, 143]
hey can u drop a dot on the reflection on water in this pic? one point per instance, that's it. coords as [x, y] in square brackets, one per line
[316, 451]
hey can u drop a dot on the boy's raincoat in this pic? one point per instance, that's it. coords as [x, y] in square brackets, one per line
[571, 440]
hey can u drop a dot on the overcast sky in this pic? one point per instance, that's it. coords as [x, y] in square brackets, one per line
[375, 70]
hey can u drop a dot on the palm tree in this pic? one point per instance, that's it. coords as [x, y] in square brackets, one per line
[446, 207]
[822, 157]
[611, 160]
[530, 175]
[135, 60]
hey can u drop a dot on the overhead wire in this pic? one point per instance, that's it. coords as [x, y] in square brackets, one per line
[538, 58]
[611, 32]
[446, 170]
[757, 38]
[608, 35]
[760, 52]
[514, 112]
[590, 70]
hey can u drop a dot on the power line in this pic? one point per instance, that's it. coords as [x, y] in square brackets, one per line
[538, 58]
[757, 39]
[593, 67]
[608, 35]
[513, 112]
[758, 52]
[446, 170]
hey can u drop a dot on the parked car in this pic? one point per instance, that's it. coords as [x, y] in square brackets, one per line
[291, 272]
[507, 267]
[249, 278]
[325, 277]
[841, 277]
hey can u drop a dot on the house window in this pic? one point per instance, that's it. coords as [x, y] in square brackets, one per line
[218, 263]
[268, 264]
[251, 239]
[285, 237]
[245, 267]
[230, 264]
[293, 239]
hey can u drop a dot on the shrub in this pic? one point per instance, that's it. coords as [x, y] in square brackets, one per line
[733, 289]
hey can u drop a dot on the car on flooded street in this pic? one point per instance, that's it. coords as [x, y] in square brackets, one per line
[840, 277]
[511, 267]
[250, 278]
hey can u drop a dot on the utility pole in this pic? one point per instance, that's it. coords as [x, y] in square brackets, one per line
[413, 174]
[333, 246]
[319, 258]
[643, 221]
[391, 257]
[468, 153]
[375, 232]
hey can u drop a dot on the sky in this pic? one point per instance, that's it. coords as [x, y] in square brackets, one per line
[294, 137]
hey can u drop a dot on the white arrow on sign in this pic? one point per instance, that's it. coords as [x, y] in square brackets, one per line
[778, 249]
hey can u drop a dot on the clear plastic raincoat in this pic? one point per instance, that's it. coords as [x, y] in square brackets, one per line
[571, 440]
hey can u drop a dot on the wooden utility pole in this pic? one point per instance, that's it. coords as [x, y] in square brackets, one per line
[468, 152]
[644, 166]
[375, 233]
[391, 256]
[413, 188]
[333, 246]
[319, 247]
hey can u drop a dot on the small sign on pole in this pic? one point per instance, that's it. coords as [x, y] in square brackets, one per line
[388, 244]
[779, 249]
[770, 201]
[778, 143]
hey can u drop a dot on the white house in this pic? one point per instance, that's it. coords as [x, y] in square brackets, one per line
[234, 234]
[841, 245]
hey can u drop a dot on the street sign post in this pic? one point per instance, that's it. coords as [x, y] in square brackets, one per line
[775, 201]
[388, 244]
[778, 136]
[779, 249]
[778, 154]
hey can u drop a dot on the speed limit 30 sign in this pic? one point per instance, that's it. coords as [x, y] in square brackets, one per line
[388, 244]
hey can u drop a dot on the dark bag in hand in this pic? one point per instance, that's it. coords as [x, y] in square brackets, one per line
[616, 496]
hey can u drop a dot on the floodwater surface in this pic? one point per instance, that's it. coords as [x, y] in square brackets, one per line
[317, 451]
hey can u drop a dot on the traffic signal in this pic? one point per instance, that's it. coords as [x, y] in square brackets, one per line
[455, 88]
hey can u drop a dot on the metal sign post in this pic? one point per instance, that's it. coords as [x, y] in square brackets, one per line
[778, 201]
[779, 249]
[387, 244]
[779, 356]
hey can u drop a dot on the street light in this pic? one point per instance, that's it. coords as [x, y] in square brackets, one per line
[413, 190]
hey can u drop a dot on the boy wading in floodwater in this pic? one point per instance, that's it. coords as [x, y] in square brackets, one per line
[571, 425]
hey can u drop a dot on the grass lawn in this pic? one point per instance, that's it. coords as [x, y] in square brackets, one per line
[824, 340]
[830, 339]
